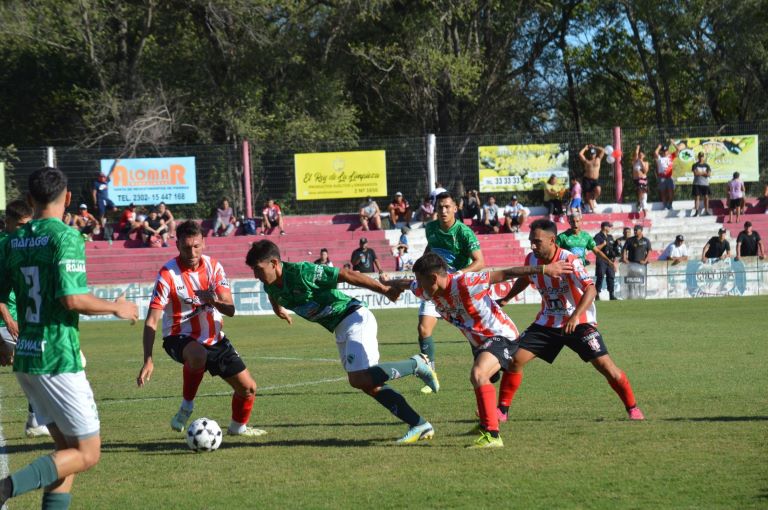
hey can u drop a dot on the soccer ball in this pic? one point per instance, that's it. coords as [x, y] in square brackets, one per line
[204, 435]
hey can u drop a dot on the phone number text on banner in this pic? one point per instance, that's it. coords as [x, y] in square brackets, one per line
[521, 167]
[328, 175]
[147, 181]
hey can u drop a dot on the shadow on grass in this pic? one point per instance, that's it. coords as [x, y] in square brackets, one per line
[46, 446]
[720, 418]
[179, 447]
[415, 342]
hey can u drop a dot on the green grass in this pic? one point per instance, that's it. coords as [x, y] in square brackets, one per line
[698, 368]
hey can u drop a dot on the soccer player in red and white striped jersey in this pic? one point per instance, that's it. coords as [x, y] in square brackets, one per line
[567, 318]
[191, 296]
[465, 301]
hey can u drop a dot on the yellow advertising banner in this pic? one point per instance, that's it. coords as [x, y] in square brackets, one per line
[324, 175]
[724, 155]
[521, 167]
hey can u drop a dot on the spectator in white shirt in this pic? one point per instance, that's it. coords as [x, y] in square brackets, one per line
[491, 215]
[514, 215]
[676, 252]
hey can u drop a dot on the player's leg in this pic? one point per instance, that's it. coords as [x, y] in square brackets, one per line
[193, 357]
[33, 427]
[225, 362]
[427, 321]
[485, 365]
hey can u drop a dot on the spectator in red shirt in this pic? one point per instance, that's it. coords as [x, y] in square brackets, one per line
[399, 210]
[128, 221]
[271, 217]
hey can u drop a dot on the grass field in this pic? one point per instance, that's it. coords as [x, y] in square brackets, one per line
[698, 368]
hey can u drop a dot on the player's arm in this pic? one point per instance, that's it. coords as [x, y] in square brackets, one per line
[88, 304]
[517, 287]
[360, 280]
[10, 323]
[279, 310]
[148, 340]
[553, 270]
[478, 262]
[221, 299]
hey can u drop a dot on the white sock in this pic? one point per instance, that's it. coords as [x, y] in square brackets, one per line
[237, 428]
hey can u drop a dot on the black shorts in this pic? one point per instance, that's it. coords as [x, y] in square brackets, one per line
[699, 191]
[546, 343]
[223, 360]
[735, 202]
[589, 185]
[502, 348]
[641, 184]
[272, 223]
[493, 223]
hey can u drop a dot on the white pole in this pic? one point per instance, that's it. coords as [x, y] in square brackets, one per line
[50, 157]
[431, 161]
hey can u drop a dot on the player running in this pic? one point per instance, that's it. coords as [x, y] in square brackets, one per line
[310, 291]
[567, 318]
[191, 295]
[43, 263]
[458, 246]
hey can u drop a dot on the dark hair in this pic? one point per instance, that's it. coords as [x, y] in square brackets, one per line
[323, 250]
[430, 263]
[544, 224]
[189, 228]
[46, 184]
[18, 209]
[261, 251]
[444, 195]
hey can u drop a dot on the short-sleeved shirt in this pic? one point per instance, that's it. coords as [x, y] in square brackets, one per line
[700, 180]
[735, 189]
[552, 192]
[578, 244]
[491, 211]
[664, 166]
[454, 246]
[310, 291]
[42, 262]
[513, 211]
[673, 251]
[370, 208]
[101, 189]
[367, 256]
[717, 247]
[126, 218]
[154, 224]
[272, 213]
[749, 243]
[610, 244]
[225, 215]
[637, 248]
[183, 312]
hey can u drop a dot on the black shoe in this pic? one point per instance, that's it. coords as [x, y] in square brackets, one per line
[597, 297]
[614, 298]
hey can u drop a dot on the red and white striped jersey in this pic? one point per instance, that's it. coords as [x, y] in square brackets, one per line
[184, 314]
[468, 305]
[560, 296]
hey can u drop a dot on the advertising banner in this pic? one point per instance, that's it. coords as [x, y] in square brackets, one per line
[325, 175]
[521, 167]
[147, 181]
[724, 154]
[2, 185]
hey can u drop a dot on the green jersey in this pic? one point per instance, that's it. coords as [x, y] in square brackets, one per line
[310, 291]
[578, 244]
[11, 304]
[455, 245]
[44, 261]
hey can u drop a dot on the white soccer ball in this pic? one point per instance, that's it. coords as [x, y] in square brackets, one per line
[204, 435]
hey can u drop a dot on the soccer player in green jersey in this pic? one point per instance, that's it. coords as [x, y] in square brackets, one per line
[310, 291]
[43, 263]
[458, 246]
[579, 242]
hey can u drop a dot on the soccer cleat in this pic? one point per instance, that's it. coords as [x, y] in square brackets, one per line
[418, 433]
[425, 373]
[503, 417]
[249, 432]
[486, 440]
[179, 421]
[635, 414]
[426, 390]
[38, 431]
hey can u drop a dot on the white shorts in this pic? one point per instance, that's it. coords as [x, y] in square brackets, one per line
[356, 340]
[5, 334]
[63, 399]
[428, 308]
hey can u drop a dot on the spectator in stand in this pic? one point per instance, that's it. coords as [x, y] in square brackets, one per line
[574, 206]
[170, 222]
[621, 241]
[553, 198]
[472, 206]
[491, 215]
[735, 197]
[271, 217]
[86, 223]
[399, 210]
[100, 194]
[404, 235]
[603, 270]
[637, 248]
[347, 265]
[748, 243]
[154, 227]
[433, 194]
[224, 220]
[764, 200]
[640, 176]
[364, 259]
[370, 215]
[426, 210]
[128, 220]
[514, 215]
[664, 165]
[717, 248]
[579, 242]
[403, 261]
[324, 260]
[676, 252]
[701, 173]
[591, 157]
[67, 218]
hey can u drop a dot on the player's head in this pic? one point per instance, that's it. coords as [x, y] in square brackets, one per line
[190, 243]
[430, 270]
[17, 213]
[47, 185]
[264, 258]
[574, 220]
[445, 207]
[542, 238]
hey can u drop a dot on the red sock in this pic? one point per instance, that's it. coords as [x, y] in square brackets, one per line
[486, 404]
[624, 390]
[192, 379]
[510, 382]
[241, 408]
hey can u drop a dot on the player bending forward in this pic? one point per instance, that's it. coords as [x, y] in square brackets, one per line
[464, 300]
[567, 318]
[191, 295]
[310, 291]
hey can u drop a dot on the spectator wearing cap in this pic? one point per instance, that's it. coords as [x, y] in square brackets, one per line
[591, 157]
[491, 215]
[399, 210]
[637, 248]
[514, 215]
[86, 223]
[605, 243]
[426, 211]
[717, 248]
[370, 214]
[664, 165]
[128, 221]
[701, 173]
[100, 194]
[579, 242]
[324, 259]
[676, 251]
[403, 261]
[271, 218]
[553, 198]
[748, 243]
[364, 259]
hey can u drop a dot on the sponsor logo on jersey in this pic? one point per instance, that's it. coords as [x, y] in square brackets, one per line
[73, 265]
[29, 242]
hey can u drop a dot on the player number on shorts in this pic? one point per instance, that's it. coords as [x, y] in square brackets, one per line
[32, 277]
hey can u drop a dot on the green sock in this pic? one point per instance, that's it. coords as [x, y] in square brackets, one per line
[383, 372]
[40, 473]
[427, 346]
[398, 406]
[56, 500]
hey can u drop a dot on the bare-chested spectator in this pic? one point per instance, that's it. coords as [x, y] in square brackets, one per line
[640, 169]
[166, 215]
[86, 223]
[370, 214]
[591, 157]
[399, 210]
